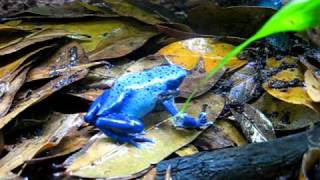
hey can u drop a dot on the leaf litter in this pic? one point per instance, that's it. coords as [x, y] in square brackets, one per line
[66, 63]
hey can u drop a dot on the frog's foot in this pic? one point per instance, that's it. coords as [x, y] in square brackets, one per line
[133, 139]
[123, 131]
[186, 121]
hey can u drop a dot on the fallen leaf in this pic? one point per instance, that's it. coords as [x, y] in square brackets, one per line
[10, 65]
[71, 142]
[54, 130]
[286, 116]
[188, 53]
[245, 84]
[286, 84]
[39, 36]
[102, 158]
[254, 124]
[41, 93]
[104, 35]
[126, 8]
[12, 88]
[214, 138]
[191, 82]
[68, 58]
[312, 85]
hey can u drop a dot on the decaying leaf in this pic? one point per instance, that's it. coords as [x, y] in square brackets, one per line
[245, 84]
[254, 124]
[70, 57]
[286, 116]
[191, 82]
[102, 158]
[39, 36]
[8, 65]
[213, 138]
[71, 142]
[125, 8]
[107, 38]
[41, 93]
[188, 53]
[12, 88]
[310, 164]
[54, 130]
[285, 82]
[312, 85]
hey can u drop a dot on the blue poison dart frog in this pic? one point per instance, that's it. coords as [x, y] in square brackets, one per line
[275, 4]
[118, 112]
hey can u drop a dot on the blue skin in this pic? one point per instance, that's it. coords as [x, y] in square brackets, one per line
[275, 4]
[118, 112]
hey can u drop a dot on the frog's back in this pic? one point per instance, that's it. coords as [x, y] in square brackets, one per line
[145, 88]
[153, 76]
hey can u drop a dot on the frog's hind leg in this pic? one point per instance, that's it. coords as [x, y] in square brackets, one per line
[111, 104]
[90, 116]
[122, 129]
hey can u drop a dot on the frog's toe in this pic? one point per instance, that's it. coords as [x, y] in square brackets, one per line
[143, 139]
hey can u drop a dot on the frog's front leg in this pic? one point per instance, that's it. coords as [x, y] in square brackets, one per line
[122, 129]
[184, 120]
[90, 116]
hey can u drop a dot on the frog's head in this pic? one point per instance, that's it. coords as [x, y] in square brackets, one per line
[175, 75]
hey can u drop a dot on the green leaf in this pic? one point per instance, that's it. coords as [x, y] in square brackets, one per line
[298, 15]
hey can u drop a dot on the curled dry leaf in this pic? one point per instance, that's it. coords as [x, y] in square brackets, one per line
[12, 88]
[254, 124]
[245, 84]
[286, 116]
[286, 82]
[54, 130]
[312, 85]
[71, 142]
[195, 81]
[39, 36]
[188, 53]
[41, 93]
[310, 164]
[70, 57]
[102, 158]
[221, 135]
[8, 65]
[108, 38]
[126, 8]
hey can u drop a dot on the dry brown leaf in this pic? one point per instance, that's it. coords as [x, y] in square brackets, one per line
[12, 88]
[41, 93]
[71, 142]
[70, 57]
[10, 65]
[312, 85]
[254, 124]
[36, 37]
[55, 129]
